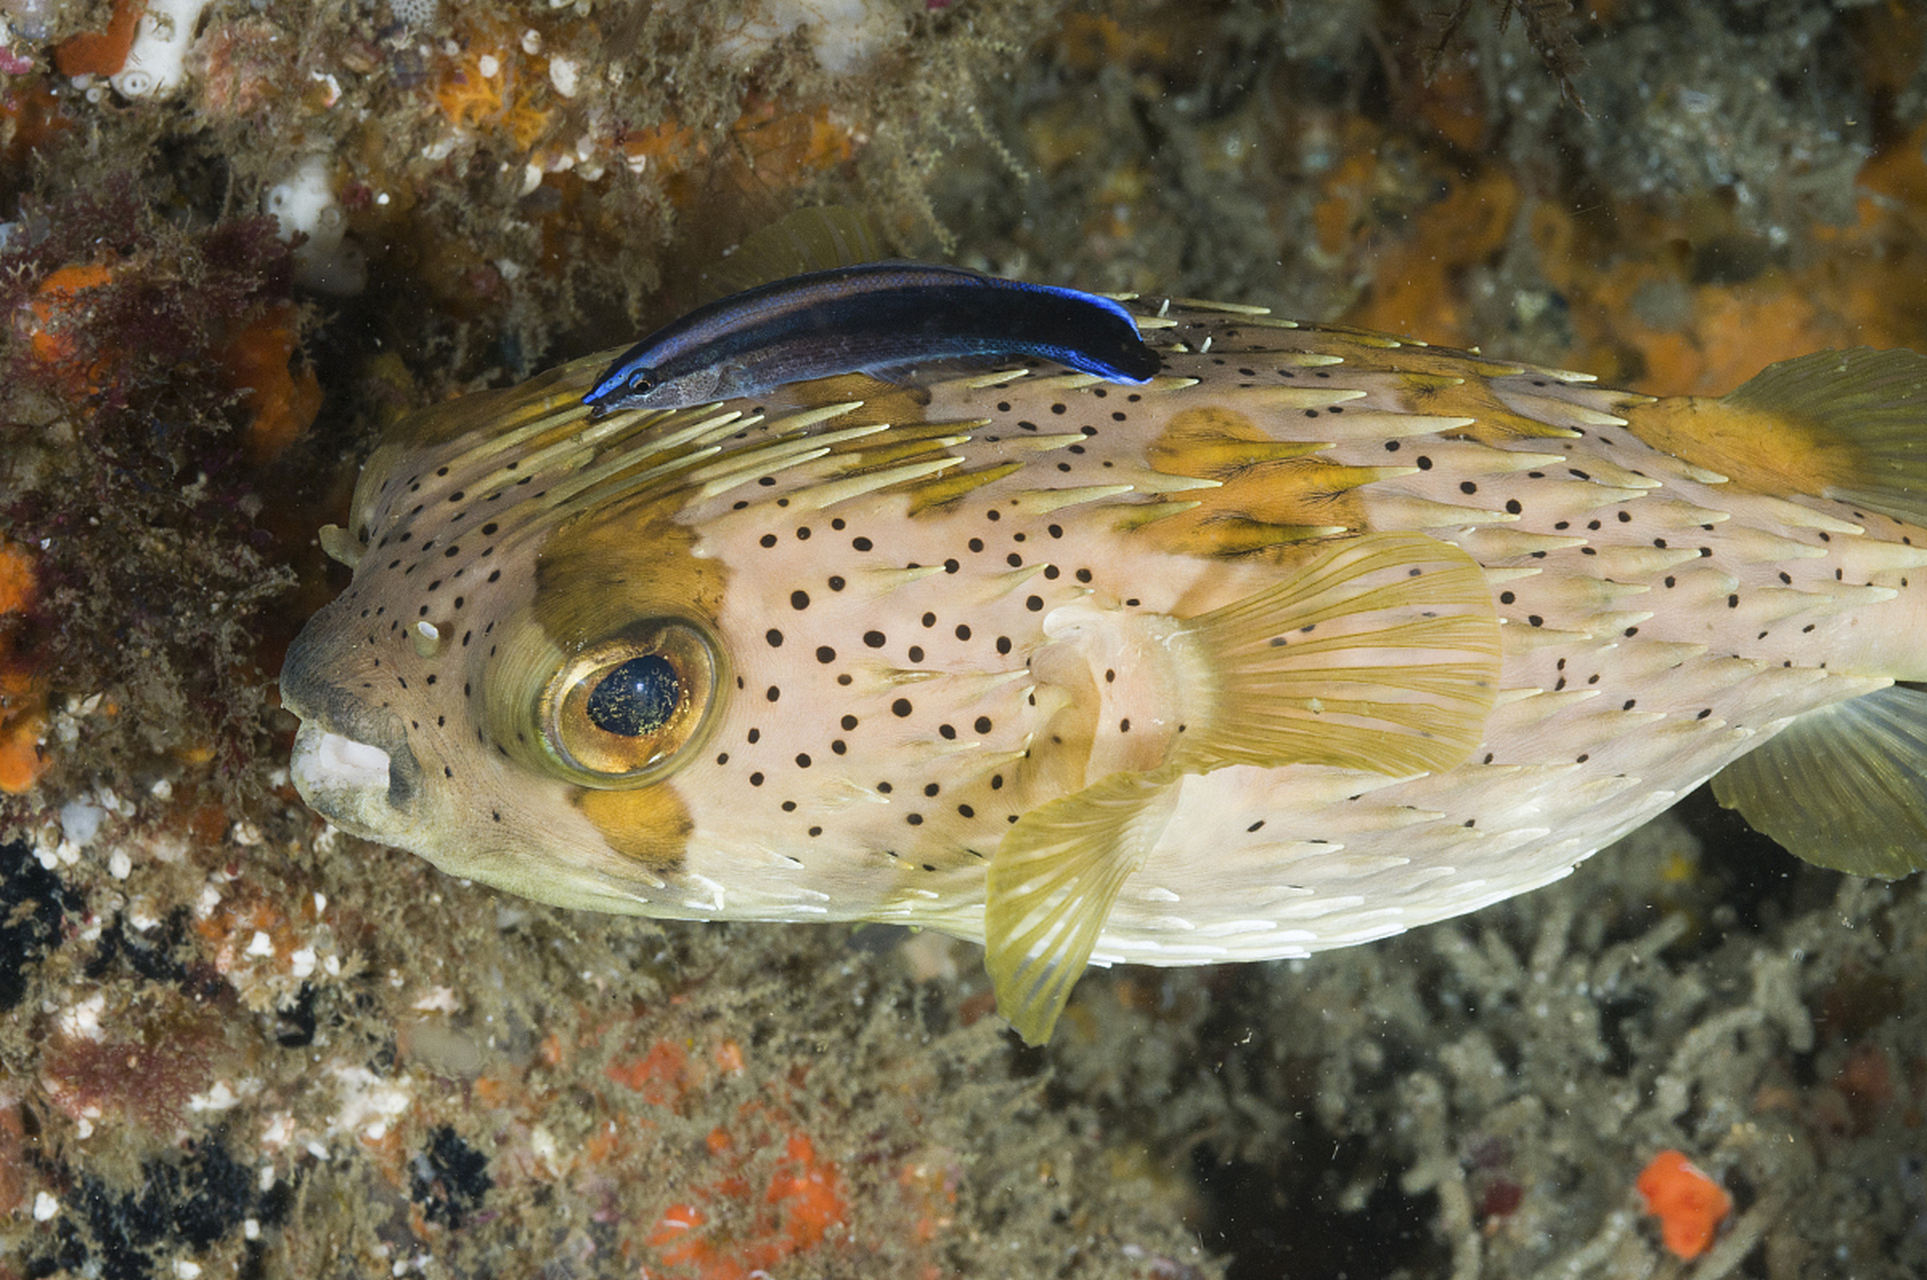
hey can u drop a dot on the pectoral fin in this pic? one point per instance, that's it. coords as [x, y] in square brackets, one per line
[1052, 882]
[1381, 655]
[1843, 786]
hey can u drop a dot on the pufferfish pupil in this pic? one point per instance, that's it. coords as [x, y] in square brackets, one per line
[637, 698]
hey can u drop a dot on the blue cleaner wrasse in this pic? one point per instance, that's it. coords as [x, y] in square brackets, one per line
[1316, 636]
[868, 318]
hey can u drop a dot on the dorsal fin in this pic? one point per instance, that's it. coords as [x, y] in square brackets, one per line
[1874, 403]
[813, 239]
[1845, 425]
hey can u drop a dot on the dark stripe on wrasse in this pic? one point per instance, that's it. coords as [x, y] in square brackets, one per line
[878, 315]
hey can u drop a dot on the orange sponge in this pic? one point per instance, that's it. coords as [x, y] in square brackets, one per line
[1689, 1205]
[101, 53]
[23, 697]
[283, 400]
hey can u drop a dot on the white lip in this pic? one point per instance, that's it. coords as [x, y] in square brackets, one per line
[345, 781]
[336, 761]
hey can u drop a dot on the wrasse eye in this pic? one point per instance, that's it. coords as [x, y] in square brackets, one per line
[641, 383]
[621, 713]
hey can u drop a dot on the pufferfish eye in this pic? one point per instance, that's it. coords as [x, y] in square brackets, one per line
[620, 713]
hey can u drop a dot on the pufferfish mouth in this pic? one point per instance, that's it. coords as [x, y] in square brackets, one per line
[352, 762]
[358, 786]
[333, 760]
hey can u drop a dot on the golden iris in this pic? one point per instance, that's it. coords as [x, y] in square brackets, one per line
[618, 714]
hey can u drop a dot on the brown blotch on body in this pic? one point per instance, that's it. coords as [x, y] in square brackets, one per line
[650, 824]
[1471, 397]
[1271, 493]
[588, 581]
[1758, 449]
[1216, 443]
[946, 487]
[902, 404]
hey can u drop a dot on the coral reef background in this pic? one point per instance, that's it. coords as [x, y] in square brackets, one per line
[237, 238]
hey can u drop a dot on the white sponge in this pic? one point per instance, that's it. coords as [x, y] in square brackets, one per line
[305, 204]
[153, 66]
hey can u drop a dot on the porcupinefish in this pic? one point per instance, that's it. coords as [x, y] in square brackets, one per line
[1316, 636]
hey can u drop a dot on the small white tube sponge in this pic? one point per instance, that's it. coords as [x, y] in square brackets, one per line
[305, 204]
[154, 63]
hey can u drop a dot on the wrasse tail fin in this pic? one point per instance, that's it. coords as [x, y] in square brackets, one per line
[1842, 787]
[1382, 655]
[1865, 414]
[1053, 880]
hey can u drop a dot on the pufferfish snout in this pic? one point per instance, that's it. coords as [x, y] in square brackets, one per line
[1313, 637]
[436, 698]
[368, 756]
